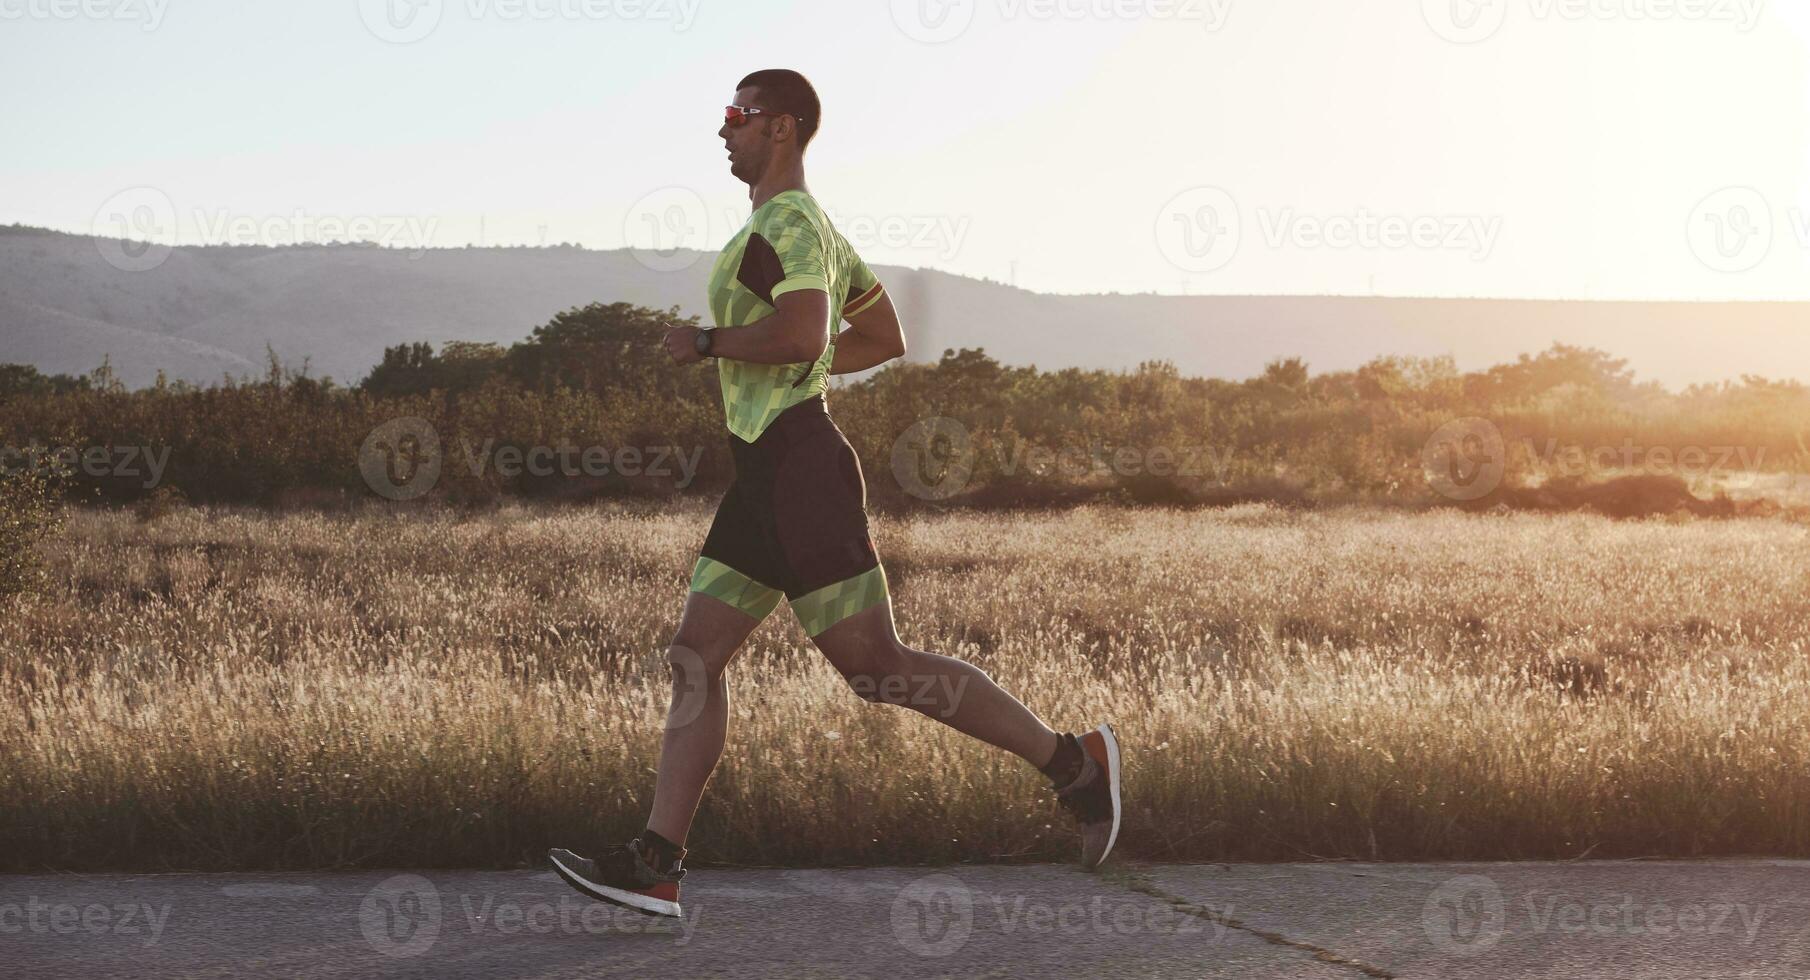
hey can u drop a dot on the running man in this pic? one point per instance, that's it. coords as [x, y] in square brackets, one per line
[794, 521]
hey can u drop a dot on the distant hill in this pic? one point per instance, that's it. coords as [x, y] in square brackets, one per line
[207, 311]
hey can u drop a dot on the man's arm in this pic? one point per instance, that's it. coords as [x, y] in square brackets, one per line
[874, 337]
[795, 332]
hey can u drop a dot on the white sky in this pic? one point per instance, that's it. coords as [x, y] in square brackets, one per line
[1574, 152]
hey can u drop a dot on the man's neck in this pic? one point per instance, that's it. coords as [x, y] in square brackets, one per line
[778, 182]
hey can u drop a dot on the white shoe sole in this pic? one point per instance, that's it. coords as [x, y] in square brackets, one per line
[644, 904]
[1112, 772]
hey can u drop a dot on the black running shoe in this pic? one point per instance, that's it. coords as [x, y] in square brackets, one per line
[621, 876]
[1094, 796]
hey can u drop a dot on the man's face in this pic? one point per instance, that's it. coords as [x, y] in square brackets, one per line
[749, 145]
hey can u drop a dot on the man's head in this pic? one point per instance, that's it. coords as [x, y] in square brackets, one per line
[786, 117]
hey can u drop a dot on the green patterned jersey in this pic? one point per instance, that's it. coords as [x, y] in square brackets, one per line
[787, 244]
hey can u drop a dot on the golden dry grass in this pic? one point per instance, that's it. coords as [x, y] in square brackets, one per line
[234, 689]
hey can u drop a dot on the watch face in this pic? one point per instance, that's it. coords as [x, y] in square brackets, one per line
[703, 342]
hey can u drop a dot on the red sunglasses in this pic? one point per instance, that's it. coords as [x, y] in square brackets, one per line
[737, 115]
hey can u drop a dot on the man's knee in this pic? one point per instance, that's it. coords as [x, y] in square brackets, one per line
[881, 674]
[694, 659]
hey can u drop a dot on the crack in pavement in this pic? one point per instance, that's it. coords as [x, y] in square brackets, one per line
[1141, 883]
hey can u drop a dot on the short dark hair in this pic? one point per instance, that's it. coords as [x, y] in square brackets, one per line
[791, 93]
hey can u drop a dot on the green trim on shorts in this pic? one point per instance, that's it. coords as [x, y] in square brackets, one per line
[719, 581]
[824, 608]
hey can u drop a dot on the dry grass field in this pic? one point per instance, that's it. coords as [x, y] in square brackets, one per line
[221, 689]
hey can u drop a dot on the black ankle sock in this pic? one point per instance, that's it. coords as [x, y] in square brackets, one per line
[665, 853]
[1065, 766]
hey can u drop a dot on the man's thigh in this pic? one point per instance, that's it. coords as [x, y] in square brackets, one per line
[710, 634]
[853, 642]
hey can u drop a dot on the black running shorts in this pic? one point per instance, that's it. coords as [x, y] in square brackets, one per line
[794, 522]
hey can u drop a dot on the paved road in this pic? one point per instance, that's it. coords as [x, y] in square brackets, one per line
[1334, 921]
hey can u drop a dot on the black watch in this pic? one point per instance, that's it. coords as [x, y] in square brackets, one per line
[702, 342]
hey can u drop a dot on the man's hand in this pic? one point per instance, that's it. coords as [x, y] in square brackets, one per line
[682, 344]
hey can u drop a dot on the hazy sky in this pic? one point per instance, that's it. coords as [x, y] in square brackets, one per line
[1651, 149]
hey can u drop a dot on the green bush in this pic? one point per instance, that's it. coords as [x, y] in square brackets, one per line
[596, 377]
